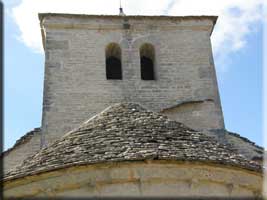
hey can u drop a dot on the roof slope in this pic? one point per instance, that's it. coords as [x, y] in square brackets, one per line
[22, 140]
[126, 132]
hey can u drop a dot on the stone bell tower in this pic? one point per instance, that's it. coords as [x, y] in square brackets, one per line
[164, 63]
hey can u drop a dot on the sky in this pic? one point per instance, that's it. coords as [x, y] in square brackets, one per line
[236, 40]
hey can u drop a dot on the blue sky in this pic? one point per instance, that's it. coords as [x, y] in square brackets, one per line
[237, 43]
[23, 82]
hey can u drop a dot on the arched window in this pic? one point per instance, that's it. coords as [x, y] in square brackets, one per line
[113, 61]
[147, 56]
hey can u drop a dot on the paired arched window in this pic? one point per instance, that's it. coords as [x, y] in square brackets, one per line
[147, 58]
[113, 61]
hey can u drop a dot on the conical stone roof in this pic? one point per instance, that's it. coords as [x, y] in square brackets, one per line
[128, 132]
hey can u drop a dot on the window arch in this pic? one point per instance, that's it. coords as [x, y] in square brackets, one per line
[113, 61]
[147, 59]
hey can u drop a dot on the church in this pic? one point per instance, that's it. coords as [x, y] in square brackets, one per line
[131, 108]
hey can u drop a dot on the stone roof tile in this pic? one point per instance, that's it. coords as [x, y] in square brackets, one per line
[125, 132]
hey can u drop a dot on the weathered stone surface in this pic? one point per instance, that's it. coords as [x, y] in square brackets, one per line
[138, 152]
[26, 146]
[75, 85]
[126, 132]
[55, 44]
[149, 178]
[241, 144]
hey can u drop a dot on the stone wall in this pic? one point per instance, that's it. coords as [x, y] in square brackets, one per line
[76, 88]
[149, 178]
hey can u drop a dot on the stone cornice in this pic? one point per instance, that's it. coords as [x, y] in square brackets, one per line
[119, 26]
[140, 17]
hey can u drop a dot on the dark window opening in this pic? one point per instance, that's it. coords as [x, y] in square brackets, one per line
[147, 68]
[113, 68]
[147, 56]
[113, 62]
